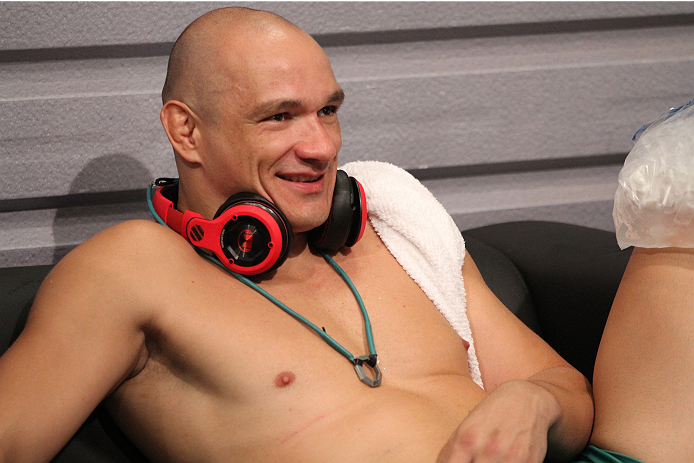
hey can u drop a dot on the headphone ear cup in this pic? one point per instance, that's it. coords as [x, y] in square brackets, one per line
[254, 227]
[359, 213]
[345, 224]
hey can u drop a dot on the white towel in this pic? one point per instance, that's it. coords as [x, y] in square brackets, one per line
[422, 237]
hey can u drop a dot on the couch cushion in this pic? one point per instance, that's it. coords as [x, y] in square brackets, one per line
[18, 286]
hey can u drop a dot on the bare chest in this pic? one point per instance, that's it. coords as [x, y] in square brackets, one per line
[404, 322]
[225, 353]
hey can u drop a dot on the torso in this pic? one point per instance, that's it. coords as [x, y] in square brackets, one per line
[231, 377]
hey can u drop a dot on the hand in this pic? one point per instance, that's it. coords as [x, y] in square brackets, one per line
[510, 425]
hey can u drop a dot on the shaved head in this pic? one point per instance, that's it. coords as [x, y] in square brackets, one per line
[250, 104]
[196, 71]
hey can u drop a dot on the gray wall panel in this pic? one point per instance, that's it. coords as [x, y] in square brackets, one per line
[25, 81]
[580, 195]
[460, 120]
[37, 237]
[55, 140]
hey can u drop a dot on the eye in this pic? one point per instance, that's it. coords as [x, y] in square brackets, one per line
[328, 111]
[278, 117]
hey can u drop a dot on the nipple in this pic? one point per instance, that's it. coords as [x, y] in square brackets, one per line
[284, 379]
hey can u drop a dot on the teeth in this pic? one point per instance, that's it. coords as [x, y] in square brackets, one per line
[299, 179]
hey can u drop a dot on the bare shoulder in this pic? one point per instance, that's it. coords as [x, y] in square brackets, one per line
[125, 248]
[115, 269]
[128, 240]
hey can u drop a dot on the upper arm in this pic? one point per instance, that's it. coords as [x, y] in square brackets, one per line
[83, 336]
[505, 347]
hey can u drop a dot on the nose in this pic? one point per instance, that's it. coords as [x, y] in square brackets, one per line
[318, 141]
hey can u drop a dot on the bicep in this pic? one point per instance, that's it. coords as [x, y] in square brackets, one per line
[505, 347]
[75, 349]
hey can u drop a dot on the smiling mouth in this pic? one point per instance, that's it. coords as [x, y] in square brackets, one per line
[300, 178]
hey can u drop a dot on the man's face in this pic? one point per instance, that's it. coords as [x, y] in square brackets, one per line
[275, 130]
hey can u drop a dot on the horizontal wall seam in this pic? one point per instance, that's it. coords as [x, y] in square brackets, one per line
[73, 200]
[366, 37]
[514, 167]
[501, 30]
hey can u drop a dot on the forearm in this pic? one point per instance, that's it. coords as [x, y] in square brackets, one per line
[570, 429]
[548, 415]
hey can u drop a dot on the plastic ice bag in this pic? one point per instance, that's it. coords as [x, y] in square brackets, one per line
[654, 202]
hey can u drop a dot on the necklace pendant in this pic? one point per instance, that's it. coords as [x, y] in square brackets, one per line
[372, 361]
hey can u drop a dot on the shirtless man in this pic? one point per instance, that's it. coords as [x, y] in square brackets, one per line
[196, 366]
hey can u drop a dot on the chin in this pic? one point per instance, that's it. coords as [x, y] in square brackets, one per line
[305, 224]
[306, 213]
[306, 227]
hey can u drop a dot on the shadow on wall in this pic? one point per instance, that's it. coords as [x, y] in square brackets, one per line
[109, 190]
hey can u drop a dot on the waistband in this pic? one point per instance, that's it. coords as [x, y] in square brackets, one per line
[594, 454]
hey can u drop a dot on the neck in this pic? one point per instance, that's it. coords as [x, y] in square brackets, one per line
[187, 202]
[300, 246]
[302, 263]
[195, 191]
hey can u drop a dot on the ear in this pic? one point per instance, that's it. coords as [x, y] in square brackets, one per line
[180, 125]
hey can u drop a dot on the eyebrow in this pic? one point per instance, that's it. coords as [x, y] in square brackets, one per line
[280, 105]
[337, 97]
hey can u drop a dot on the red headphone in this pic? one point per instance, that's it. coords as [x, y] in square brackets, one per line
[250, 235]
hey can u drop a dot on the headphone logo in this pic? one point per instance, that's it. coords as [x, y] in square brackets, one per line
[196, 233]
[246, 241]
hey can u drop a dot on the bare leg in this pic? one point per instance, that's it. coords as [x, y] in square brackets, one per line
[644, 372]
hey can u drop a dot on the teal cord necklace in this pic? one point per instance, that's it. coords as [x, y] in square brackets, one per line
[371, 360]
